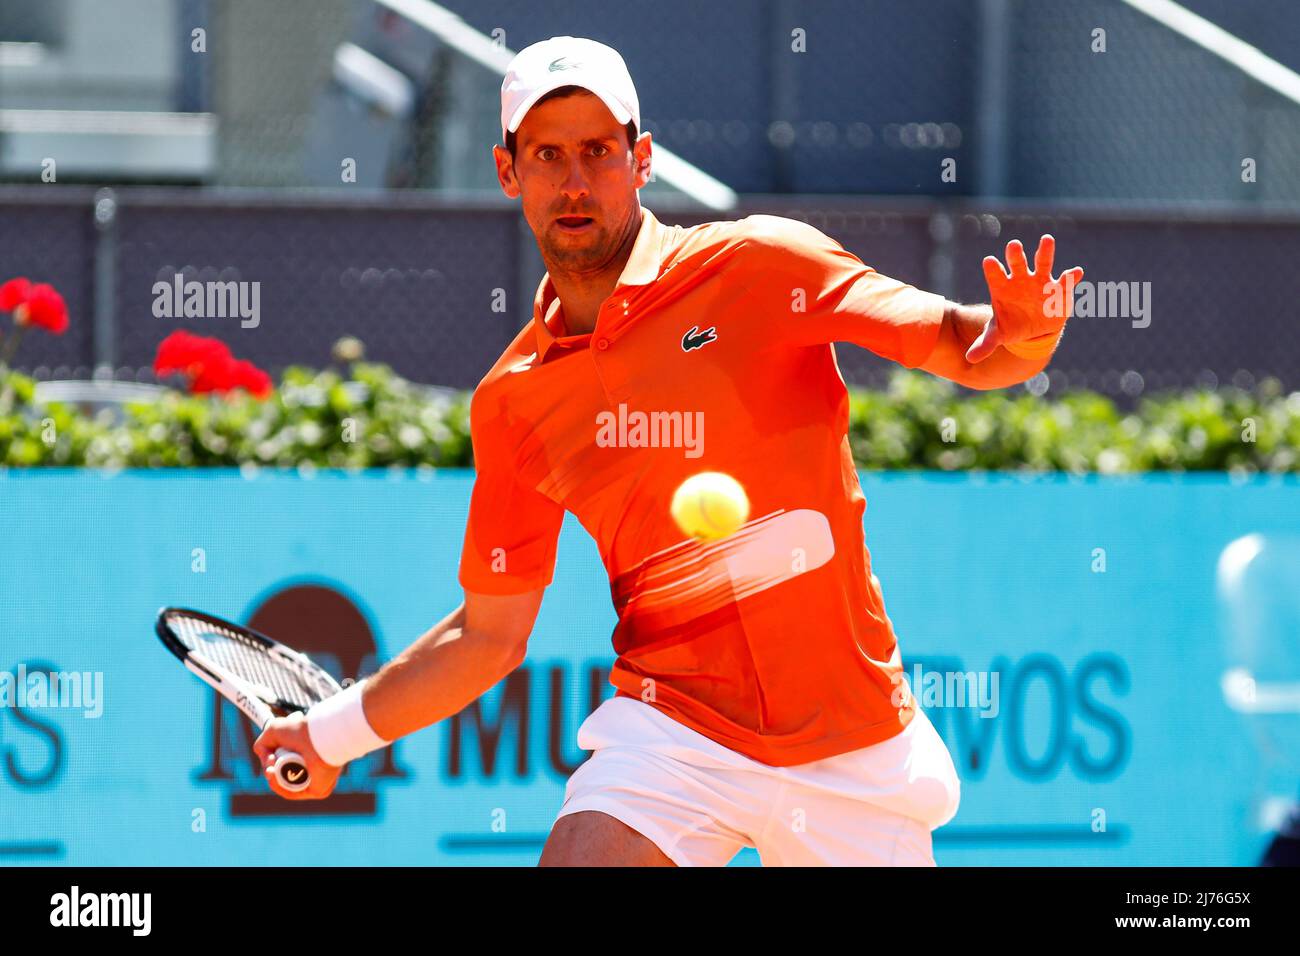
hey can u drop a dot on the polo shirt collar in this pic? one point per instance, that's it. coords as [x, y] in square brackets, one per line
[642, 268]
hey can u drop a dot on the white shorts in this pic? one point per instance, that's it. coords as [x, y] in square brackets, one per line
[701, 803]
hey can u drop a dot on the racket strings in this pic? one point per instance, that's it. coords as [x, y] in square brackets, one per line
[250, 660]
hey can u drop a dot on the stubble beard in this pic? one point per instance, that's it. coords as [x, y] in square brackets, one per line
[587, 255]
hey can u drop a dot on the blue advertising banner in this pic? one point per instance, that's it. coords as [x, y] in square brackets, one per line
[1092, 620]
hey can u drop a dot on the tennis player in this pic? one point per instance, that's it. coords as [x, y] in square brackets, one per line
[760, 698]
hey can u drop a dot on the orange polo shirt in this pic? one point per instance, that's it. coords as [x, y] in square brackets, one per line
[713, 353]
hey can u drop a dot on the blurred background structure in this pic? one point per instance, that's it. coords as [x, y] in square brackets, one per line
[1158, 141]
[336, 153]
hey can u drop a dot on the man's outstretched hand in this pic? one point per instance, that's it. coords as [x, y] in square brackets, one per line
[1026, 304]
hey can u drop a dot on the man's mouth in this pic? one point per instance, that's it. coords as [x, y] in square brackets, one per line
[574, 223]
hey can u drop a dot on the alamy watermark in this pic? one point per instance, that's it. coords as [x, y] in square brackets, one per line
[81, 690]
[1101, 300]
[133, 911]
[213, 299]
[937, 688]
[637, 429]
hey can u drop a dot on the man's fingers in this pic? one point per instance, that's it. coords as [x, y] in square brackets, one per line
[994, 274]
[984, 345]
[1044, 256]
[268, 741]
[1072, 277]
[1016, 260]
[264, 745]
[274, 782]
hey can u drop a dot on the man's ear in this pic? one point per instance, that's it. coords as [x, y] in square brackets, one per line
[506, 172]
[641, 154]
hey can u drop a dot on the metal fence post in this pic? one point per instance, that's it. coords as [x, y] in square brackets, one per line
[993, 91]
[104, 283]
[942, 268]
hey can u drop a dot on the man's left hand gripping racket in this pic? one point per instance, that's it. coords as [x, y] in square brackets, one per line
[261, 677]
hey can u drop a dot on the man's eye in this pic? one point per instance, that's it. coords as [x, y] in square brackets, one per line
[547, 154]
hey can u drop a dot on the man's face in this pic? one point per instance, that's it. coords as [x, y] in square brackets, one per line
[577, 178]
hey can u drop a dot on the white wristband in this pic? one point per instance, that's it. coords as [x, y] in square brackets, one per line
[339, 730]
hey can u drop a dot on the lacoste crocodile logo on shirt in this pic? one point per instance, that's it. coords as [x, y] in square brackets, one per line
[695, 339]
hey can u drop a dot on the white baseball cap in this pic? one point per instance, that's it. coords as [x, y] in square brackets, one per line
[567, 61]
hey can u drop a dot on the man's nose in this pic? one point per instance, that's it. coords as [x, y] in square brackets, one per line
[575, 181]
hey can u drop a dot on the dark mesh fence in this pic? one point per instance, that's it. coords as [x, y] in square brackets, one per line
[1258, 23]
[422, 286]
[1154, 116]
[1177, 297]
[438, 289]
[769, 96]
[269, 63]
[842, 96]
[1220, 294]
[780, 96]
[51, 239]
[417, 285]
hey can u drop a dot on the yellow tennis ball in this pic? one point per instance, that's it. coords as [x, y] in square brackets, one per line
[710, 505]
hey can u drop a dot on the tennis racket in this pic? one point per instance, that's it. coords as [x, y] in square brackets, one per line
[261, 677]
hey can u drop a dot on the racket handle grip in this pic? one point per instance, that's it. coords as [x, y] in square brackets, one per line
[291, 770]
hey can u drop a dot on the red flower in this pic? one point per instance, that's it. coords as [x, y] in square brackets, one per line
[44, 308]
[211, 376]
[250, 378]
[13, 293]
[186, 353]
[209, 366]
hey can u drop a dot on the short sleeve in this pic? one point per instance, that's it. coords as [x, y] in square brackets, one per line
[513, 529]
[822, 293]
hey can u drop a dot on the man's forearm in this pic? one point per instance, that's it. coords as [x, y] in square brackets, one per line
[445, 670]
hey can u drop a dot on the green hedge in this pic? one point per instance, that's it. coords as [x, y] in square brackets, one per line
[1225, 429]
[374, 418]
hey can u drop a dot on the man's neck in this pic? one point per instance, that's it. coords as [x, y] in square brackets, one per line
[582, 294]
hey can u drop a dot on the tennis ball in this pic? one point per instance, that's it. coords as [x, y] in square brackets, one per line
[710, 505]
